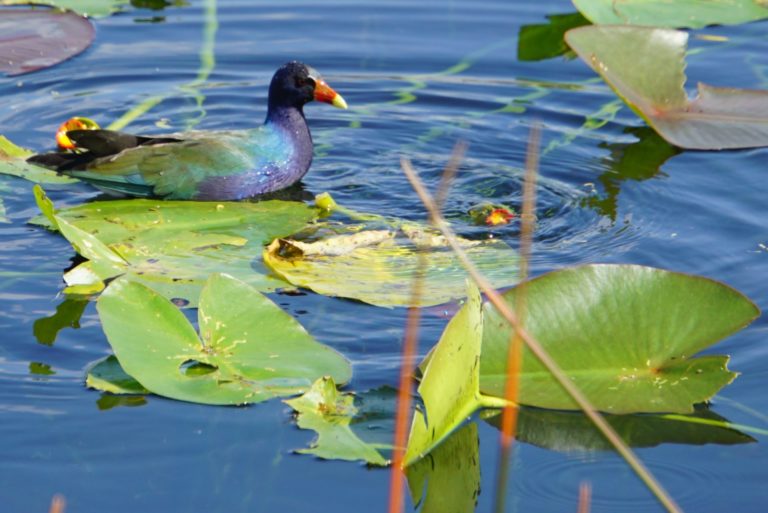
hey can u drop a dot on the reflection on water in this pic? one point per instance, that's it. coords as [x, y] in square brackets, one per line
[641, 160]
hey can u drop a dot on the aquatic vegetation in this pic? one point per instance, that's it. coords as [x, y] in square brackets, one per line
[645, 67]
[248, 350]
[680, 13]
[38, 39]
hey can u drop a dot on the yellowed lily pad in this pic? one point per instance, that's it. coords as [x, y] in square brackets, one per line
[379, 266]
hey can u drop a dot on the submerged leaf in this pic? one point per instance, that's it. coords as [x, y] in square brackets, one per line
[38, 39]
[645, 67]
[379, 266]
[13, 161]
[328, 412]
[676, 14]
[251, 349]
[624, 334]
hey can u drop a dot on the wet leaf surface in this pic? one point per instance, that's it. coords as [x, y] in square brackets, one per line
[625, 335]
[173, 246]
[250, 348]
[330, 413]
[378, 266]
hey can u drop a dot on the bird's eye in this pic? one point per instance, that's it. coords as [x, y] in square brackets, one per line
[304, 81]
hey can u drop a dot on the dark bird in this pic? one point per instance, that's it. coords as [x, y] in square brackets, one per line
[205, 165]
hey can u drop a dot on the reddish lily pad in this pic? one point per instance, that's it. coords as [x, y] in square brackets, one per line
[645, 67]
[31, 40]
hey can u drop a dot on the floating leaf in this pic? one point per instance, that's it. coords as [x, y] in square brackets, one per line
[249, 350]
[38, 39]
[450, 474]
[93, 8]
[449, 387]
[573, 431]
[108, 376]
[676, 14]
[624, 334]
[328, 412]
[13, 161]
[173, 246]
[645, 67]
[378, 266]
[545, 41]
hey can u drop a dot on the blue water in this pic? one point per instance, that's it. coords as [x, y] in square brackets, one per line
[697, 212]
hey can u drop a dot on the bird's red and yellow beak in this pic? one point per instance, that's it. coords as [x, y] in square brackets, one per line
[324, 93]
[76, 123]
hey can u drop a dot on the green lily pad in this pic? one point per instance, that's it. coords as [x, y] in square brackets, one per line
[450, 385]
[330, 413]
[92, 8]
[13, 161]
[448, 479]
[378, 266]
[108, 375]
[248, 351]
[173, 246]
[644, 66]
[676, 14]
[626, 335]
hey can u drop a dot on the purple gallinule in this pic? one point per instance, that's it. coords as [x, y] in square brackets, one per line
[205, 165]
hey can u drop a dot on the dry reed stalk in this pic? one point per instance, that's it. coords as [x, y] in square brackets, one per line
[515, 351]
[58, 503]
[410, 344]
[585, 497]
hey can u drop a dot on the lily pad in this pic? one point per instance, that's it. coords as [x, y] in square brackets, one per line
[450, 383]
[173, 246]
[13, 161]
[378, 266]
[38, 39]
[676, 14]
[644, 66]
[330, 413]
[624, 334]
[92, 8]
[248, 351]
